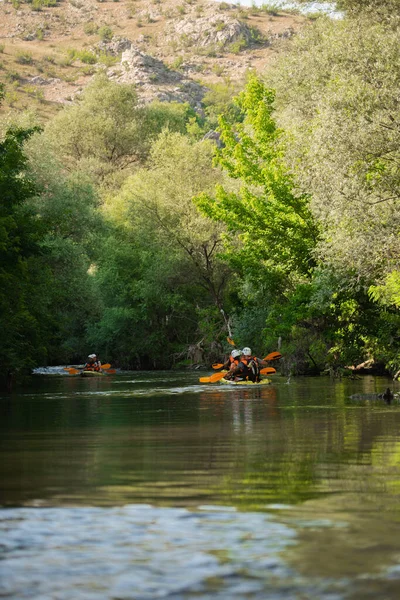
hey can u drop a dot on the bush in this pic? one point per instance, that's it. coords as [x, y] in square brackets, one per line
[24, 58]
[90, 28]
[107, 60]
[87, 57]
[105, 32]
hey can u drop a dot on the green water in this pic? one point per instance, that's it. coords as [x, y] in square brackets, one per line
[319, 456]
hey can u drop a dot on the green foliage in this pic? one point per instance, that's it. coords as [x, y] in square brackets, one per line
[173, 275]
[20, 235]
[381, 7]
[106, 131]
[87, 57]
[337, 96]
[387, 293]
[66, 206]
[90, 28]
[24, 58]
[219, 101]
[105, 32]
[275, 228]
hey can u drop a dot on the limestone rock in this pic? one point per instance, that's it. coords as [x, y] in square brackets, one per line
[155, 80]
[114, 47]
[211, 30]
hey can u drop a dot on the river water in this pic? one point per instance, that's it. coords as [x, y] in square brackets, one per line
[151, 485]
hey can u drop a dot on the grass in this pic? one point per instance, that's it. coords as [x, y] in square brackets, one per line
[24, 58]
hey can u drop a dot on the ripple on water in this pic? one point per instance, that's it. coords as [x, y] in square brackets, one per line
[140, 552]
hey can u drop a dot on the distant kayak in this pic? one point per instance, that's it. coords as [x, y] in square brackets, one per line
[92, 373]
[262, 382]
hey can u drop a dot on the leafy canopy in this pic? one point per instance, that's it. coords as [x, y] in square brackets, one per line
[272, 230]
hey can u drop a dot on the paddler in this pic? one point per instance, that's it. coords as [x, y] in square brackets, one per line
[233, 360]
[93, 363]
[237, 368]
[253, 365]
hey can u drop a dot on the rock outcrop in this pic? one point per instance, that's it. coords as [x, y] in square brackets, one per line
[155, 80]
[215, 30]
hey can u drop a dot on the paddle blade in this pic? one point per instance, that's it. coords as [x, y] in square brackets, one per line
[273, 356]
[71, 370]
[106, 366]
[213, 378]
[268, 371]
[230, 341]
[110, 371]
[217, 376]
[217, 366]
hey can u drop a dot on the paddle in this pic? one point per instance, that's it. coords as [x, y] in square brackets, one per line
[230, 341]
[217, 376]
[273, 356]
[268, 371]
[217, 366]
[213, 378]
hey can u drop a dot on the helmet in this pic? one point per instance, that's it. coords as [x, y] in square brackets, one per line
[236, 353]
[92, 356]
[246, 351]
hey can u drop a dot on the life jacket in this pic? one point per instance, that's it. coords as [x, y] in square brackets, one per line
[243, 371]
[232, 361]
[96, 366]
[253, 368]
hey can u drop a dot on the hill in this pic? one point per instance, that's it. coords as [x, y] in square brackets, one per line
[49, 49]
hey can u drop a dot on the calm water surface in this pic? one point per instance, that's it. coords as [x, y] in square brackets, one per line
[151, 485]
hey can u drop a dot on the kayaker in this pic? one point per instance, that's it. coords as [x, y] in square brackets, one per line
[233, 360]
[93, 364]
[238, 370]
[253, 365]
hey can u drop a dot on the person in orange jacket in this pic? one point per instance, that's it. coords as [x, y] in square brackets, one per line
[93, 364]
[253, 365]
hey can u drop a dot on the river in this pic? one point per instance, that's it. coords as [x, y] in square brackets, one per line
[150, 485]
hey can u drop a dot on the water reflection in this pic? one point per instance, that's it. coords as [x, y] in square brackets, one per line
[330, 451]
[115, 440]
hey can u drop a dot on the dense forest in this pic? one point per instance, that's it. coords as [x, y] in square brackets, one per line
[127, 230]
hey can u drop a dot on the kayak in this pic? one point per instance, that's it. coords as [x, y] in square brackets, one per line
[262, 382]
[92, 374]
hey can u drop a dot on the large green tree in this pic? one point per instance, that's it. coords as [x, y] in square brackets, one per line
[106, 131]
[337, 100]
[162, 282]
[20, 236]
[273, 230]
[337, 97]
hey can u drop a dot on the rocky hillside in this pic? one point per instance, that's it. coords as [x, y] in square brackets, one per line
[170, 50]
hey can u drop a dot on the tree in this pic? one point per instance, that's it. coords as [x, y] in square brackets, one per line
[381, 8]
[337, 98]
[20, 235]
[67, 206]
[106, 131]
[273, 230]
[168, 253]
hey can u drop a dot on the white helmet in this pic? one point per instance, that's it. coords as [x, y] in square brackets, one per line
[92, 356]
[236, 353]
[246, 351]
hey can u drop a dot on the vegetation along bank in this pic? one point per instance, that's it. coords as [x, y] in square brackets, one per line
[193, 187]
